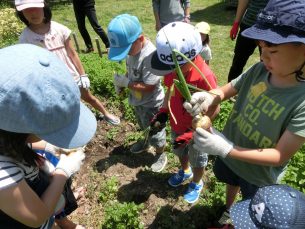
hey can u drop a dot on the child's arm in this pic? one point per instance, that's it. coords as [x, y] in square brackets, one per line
[74, 56]
[217, 144]
[21, 203]
[122, 81]
[241, 9]
[286, 147]
[202, 101]
[139, 86]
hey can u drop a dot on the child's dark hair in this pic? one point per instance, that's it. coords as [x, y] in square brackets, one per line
[207, 40]
[14, 145]
[47, 15]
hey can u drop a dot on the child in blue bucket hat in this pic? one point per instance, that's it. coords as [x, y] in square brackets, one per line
[272, 206]
[267, 124]
[38, 100]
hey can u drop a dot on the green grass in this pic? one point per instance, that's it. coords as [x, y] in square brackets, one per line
[212, 11]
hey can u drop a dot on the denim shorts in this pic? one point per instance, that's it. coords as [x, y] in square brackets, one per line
[197, 159]
[224, 174]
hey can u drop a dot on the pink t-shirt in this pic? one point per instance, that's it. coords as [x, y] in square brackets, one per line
[54, 40]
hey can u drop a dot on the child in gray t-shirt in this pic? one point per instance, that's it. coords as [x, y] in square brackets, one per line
[146, 92]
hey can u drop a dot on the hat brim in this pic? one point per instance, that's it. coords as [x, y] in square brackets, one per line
[29, 5]
[118, 53]
[272, 35]
[156, 67]
[78, 133]
[239, 214]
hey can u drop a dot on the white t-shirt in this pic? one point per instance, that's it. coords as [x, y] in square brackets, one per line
[54, 40]
[206, 52]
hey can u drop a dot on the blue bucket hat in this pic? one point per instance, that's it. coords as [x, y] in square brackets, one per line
[279, 22]
[123, 30]
[39, 96]
[273, 206]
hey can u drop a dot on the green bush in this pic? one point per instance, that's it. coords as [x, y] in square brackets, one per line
[100, 71]
[221, 119]
[122, 216]
[295, 174]
[10, 27]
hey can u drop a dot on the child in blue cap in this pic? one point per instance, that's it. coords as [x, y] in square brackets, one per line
[38, 100]
[267, 124]
[146, 92]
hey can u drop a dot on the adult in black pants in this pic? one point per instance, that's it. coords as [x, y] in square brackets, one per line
[245, 17]
[83, 8]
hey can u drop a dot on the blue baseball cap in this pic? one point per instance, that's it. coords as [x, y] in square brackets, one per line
[123, 30]
[39, 96]
[279, 22]
[273, 206]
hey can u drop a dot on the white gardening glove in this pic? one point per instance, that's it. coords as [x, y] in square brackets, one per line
[121, 80]
[214, 143]
[55, 150]
[200, 102]
[84, 81]
[71, 164]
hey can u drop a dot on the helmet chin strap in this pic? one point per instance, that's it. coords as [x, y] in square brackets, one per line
[299, 74]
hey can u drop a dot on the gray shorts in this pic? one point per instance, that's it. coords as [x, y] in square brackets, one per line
[143, 116]
[197, 159]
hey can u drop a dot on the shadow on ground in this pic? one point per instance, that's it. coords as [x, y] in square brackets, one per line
[148, 183]
[121, 154]
[218, 14]
[196, 217]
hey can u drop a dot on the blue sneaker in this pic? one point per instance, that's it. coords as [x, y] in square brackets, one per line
[179, 178]
[193, 192]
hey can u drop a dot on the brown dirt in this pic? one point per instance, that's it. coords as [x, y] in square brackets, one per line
[105, 158]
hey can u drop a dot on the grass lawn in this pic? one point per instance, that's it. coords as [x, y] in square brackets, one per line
[212, 11]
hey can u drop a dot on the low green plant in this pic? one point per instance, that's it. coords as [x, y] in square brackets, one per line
[109, 190]
[133, 137]
[122, 216]
[295, 174]
[10, 27]
[112, 133]
[221, 119]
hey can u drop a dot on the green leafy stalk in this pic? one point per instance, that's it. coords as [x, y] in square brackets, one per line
[174, 51]
[182, 86]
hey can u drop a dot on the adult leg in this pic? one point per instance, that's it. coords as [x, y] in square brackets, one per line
[244, 48]
[91, 14]
[81, 24]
